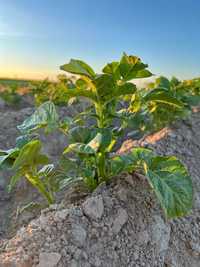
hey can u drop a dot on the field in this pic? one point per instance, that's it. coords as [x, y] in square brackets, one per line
[103, 161]
[8, 82]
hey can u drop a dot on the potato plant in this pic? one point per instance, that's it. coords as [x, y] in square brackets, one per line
[186, 93]
[92, 136]
[161, 103]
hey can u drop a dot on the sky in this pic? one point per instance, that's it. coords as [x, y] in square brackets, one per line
[37, 36]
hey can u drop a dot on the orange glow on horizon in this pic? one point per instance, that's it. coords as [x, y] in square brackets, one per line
[32, 74]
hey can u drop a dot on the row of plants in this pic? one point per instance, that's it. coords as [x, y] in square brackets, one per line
[116, 105]
[12, 91]
[47, 90]
[9, 94]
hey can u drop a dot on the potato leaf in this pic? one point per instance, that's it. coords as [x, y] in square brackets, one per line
[96, 142]
[30, 155]
[130, 161]
[44, 117]
[77, 92]
[24, 139]
[161, 96]
[113, 69]
[46, 170]
[131, 67]
[78, 67]
[7, 157]
[90, 148]
[172, 185]
[105, 86]
[80, 134]
[163, 82]
[125, 89]
[79, 148]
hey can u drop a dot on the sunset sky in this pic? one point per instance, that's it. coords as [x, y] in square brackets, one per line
[37, 36]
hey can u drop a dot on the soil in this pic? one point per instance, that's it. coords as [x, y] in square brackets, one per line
[120, 224]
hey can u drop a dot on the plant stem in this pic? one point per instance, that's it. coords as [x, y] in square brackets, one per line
[37, 183]
[102, 166]
[99, 112]
[101, 160]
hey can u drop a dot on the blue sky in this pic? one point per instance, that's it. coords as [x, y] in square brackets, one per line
[37, 36]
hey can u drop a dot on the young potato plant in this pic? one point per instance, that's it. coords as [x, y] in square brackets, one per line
[186, 94]
[25, 161]
[51, 91]
[92, 136]
[187, 91]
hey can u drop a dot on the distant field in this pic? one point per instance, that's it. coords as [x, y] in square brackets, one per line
[20, 86]
[18, 82]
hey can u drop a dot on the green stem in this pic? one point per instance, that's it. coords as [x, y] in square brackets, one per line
[99, 112]
[102, 166]
[101, 158]
[37, 183]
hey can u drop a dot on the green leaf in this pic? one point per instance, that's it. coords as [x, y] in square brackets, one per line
[167, 176]
[68, 169]
[82, 84]
[136, 103]
[192, 100]
[77, 92]
[41, 159]
[67, 181]
[172, 185]
[80, 134]
[174, 81]
[142, 74]
[132, 61]
[90, 148]
[89, 178]
[79, 148]
[113, 69]
[24, 139]
[119, 164]
[7, 157]
[140, 154]
[161, 96]
[65, 124]
[45, 116]
[131, 67]
[30, 156]
[96, 142]
[78, 67]
[130, 161]
[105, 86]
[125, 89]
[46, 170]
[163, 82]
